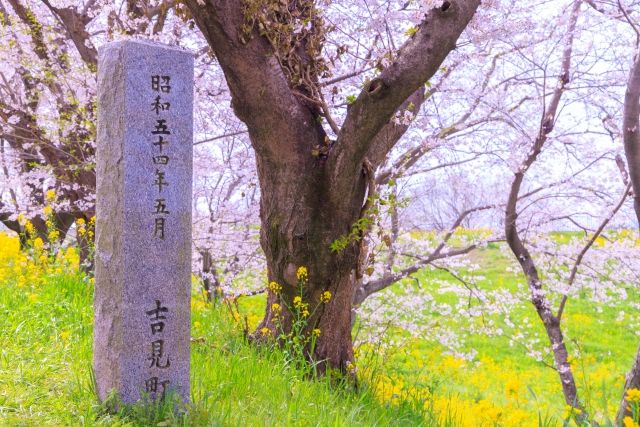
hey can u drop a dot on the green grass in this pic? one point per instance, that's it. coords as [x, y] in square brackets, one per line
[46, 377]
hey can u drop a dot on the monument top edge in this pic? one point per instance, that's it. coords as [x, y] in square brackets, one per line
[132, 43]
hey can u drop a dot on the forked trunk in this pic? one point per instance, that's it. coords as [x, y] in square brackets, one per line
[300, 220]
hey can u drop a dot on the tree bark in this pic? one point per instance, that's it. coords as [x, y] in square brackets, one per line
[538, 298]
[631, 137]
[310, 201]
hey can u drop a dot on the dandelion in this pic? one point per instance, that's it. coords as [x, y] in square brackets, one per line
[325, 297]
[48, 210]
[302, 274]
[274, 287]
[633, 395]
[50, 195]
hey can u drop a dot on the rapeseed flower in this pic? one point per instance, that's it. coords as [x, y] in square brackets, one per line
[302, 274]
[53, 235]
[633, 395]
[38, 243]
[275, 287]
[325, 297]
[29, 228]
[571, 411]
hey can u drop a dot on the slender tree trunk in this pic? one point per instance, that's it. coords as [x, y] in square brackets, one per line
[540, 301]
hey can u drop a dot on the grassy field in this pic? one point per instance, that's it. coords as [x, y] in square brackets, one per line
[45, 363]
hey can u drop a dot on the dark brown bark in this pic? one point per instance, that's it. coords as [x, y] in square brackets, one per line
[631, 138]
[308, 201]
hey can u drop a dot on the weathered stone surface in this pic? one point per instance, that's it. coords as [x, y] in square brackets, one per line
[143, 224]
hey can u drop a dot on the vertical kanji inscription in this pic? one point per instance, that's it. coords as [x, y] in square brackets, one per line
[143, 230]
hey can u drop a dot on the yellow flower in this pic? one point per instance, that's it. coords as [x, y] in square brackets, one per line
[302, 274]
[80, 222]
[305, 313]
[265, 331]
[82, 231]
[297, 301]
[512, 388]
[38, 243]
[274, 287]
[571, 411]
[351, 367]
[48, 210]
[633, 395]
[50, 195]
[315, 332]
[197, 324]
[33, 297]
[325, 297]
[53, 235]
[275, 307]
[21, 219]
[64, 335]
[628, 422]
[29, 228]
[92, 220]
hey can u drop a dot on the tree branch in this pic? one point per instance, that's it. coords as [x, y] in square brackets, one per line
[416, 62]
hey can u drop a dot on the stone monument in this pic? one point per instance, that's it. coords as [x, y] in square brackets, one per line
[143, 220]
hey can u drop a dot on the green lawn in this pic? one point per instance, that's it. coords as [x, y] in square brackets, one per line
[45, 362]
[46, 379]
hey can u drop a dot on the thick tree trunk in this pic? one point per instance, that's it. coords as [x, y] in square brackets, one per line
[632, 382]
[631, 135]
[308, 200]
[300, 220]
